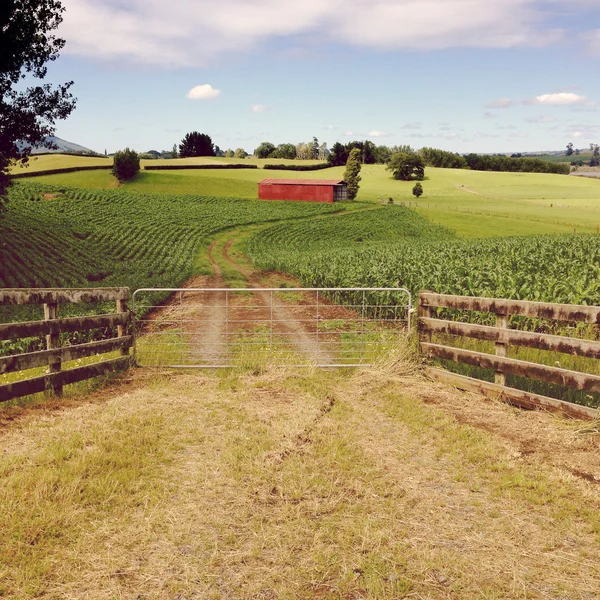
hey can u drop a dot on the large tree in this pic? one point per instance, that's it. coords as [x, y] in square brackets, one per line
[28, 114]
[406, 166]
[196, 144]
[264, 150]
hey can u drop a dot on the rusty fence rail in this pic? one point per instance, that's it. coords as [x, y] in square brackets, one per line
[51, 327]
[503, 337]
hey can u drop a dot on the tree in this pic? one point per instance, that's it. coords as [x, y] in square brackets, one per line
[240, 153]
[595, 150]
[284, 151]
[229, 153]
[304, 151]
[351, 174]
[338, 155]
[174, 153]
[417, 190]
[569, 149]
[27, 116]
[196, 144]
[126, 163]
[315, 148]
[264, 150]
[406, 166]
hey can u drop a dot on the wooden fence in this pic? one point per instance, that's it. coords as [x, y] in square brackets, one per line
[502, 337]
[52, 326]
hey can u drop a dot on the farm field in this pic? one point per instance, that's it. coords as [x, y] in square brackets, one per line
[472, 203]
[376, 484]
[105, 238]
[58, 161]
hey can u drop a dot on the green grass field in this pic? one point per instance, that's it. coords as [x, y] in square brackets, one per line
[472, 203]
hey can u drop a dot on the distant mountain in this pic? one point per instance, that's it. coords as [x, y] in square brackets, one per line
[63, 146]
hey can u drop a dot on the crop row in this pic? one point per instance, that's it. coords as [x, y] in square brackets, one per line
[358, 250]
[56, 237]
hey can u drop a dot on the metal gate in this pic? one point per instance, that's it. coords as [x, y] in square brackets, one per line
[249, 327]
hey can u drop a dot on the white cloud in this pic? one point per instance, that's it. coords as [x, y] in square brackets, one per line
[348, 133]
[203, 92]
[259, 108]
[500, 103]
[577, 134]
[194, 33]
[411, 126]
[541, 119]
[559, 99]
[518, 135]
[377, 134]
[331, 127]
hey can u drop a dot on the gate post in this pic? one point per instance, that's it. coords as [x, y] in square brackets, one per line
[53, 384]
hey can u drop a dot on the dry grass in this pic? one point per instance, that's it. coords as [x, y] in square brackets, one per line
[293, 484]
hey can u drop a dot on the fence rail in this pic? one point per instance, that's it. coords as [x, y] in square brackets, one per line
[55, 354]
[503, 337]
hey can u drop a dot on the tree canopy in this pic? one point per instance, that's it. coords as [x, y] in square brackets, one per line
[27, 116]
[196, 144]
[406, 166]
[264, 150]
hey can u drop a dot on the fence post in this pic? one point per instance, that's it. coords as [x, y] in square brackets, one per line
[423, 312]
[53, 385]
[501, 348]
[122, 308]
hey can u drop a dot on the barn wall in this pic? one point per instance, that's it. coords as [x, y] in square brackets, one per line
[301, 193]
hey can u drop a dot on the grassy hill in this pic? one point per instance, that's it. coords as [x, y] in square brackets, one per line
[472, 203]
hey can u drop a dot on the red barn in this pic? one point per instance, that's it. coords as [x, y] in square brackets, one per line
[303, 190]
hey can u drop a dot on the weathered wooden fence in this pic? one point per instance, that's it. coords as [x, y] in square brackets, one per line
[51, 327]
[502, 337]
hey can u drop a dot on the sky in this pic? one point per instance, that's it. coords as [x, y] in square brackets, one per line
[462, 75]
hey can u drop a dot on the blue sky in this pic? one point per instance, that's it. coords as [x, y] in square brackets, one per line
[464, 75]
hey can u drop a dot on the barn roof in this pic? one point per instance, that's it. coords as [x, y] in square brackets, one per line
[302, 181]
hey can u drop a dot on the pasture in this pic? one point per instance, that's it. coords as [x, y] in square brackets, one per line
[472, 203]
[331, 485]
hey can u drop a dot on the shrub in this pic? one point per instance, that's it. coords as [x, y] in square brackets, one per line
[277, 167]
[126, 163]
[417, 190]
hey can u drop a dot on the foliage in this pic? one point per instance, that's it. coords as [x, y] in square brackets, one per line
[196, 144]
[406, 166]
[126, 163]
[351, 174]
[483, 162]
[315, 148]
[279, 167]
[417, 190]
[338, 155]
[287, 151]
[569, 149]
[27, 116]
[433, 157]
[264, 150]
[187, 167]
[229, 153]
[240, 153]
